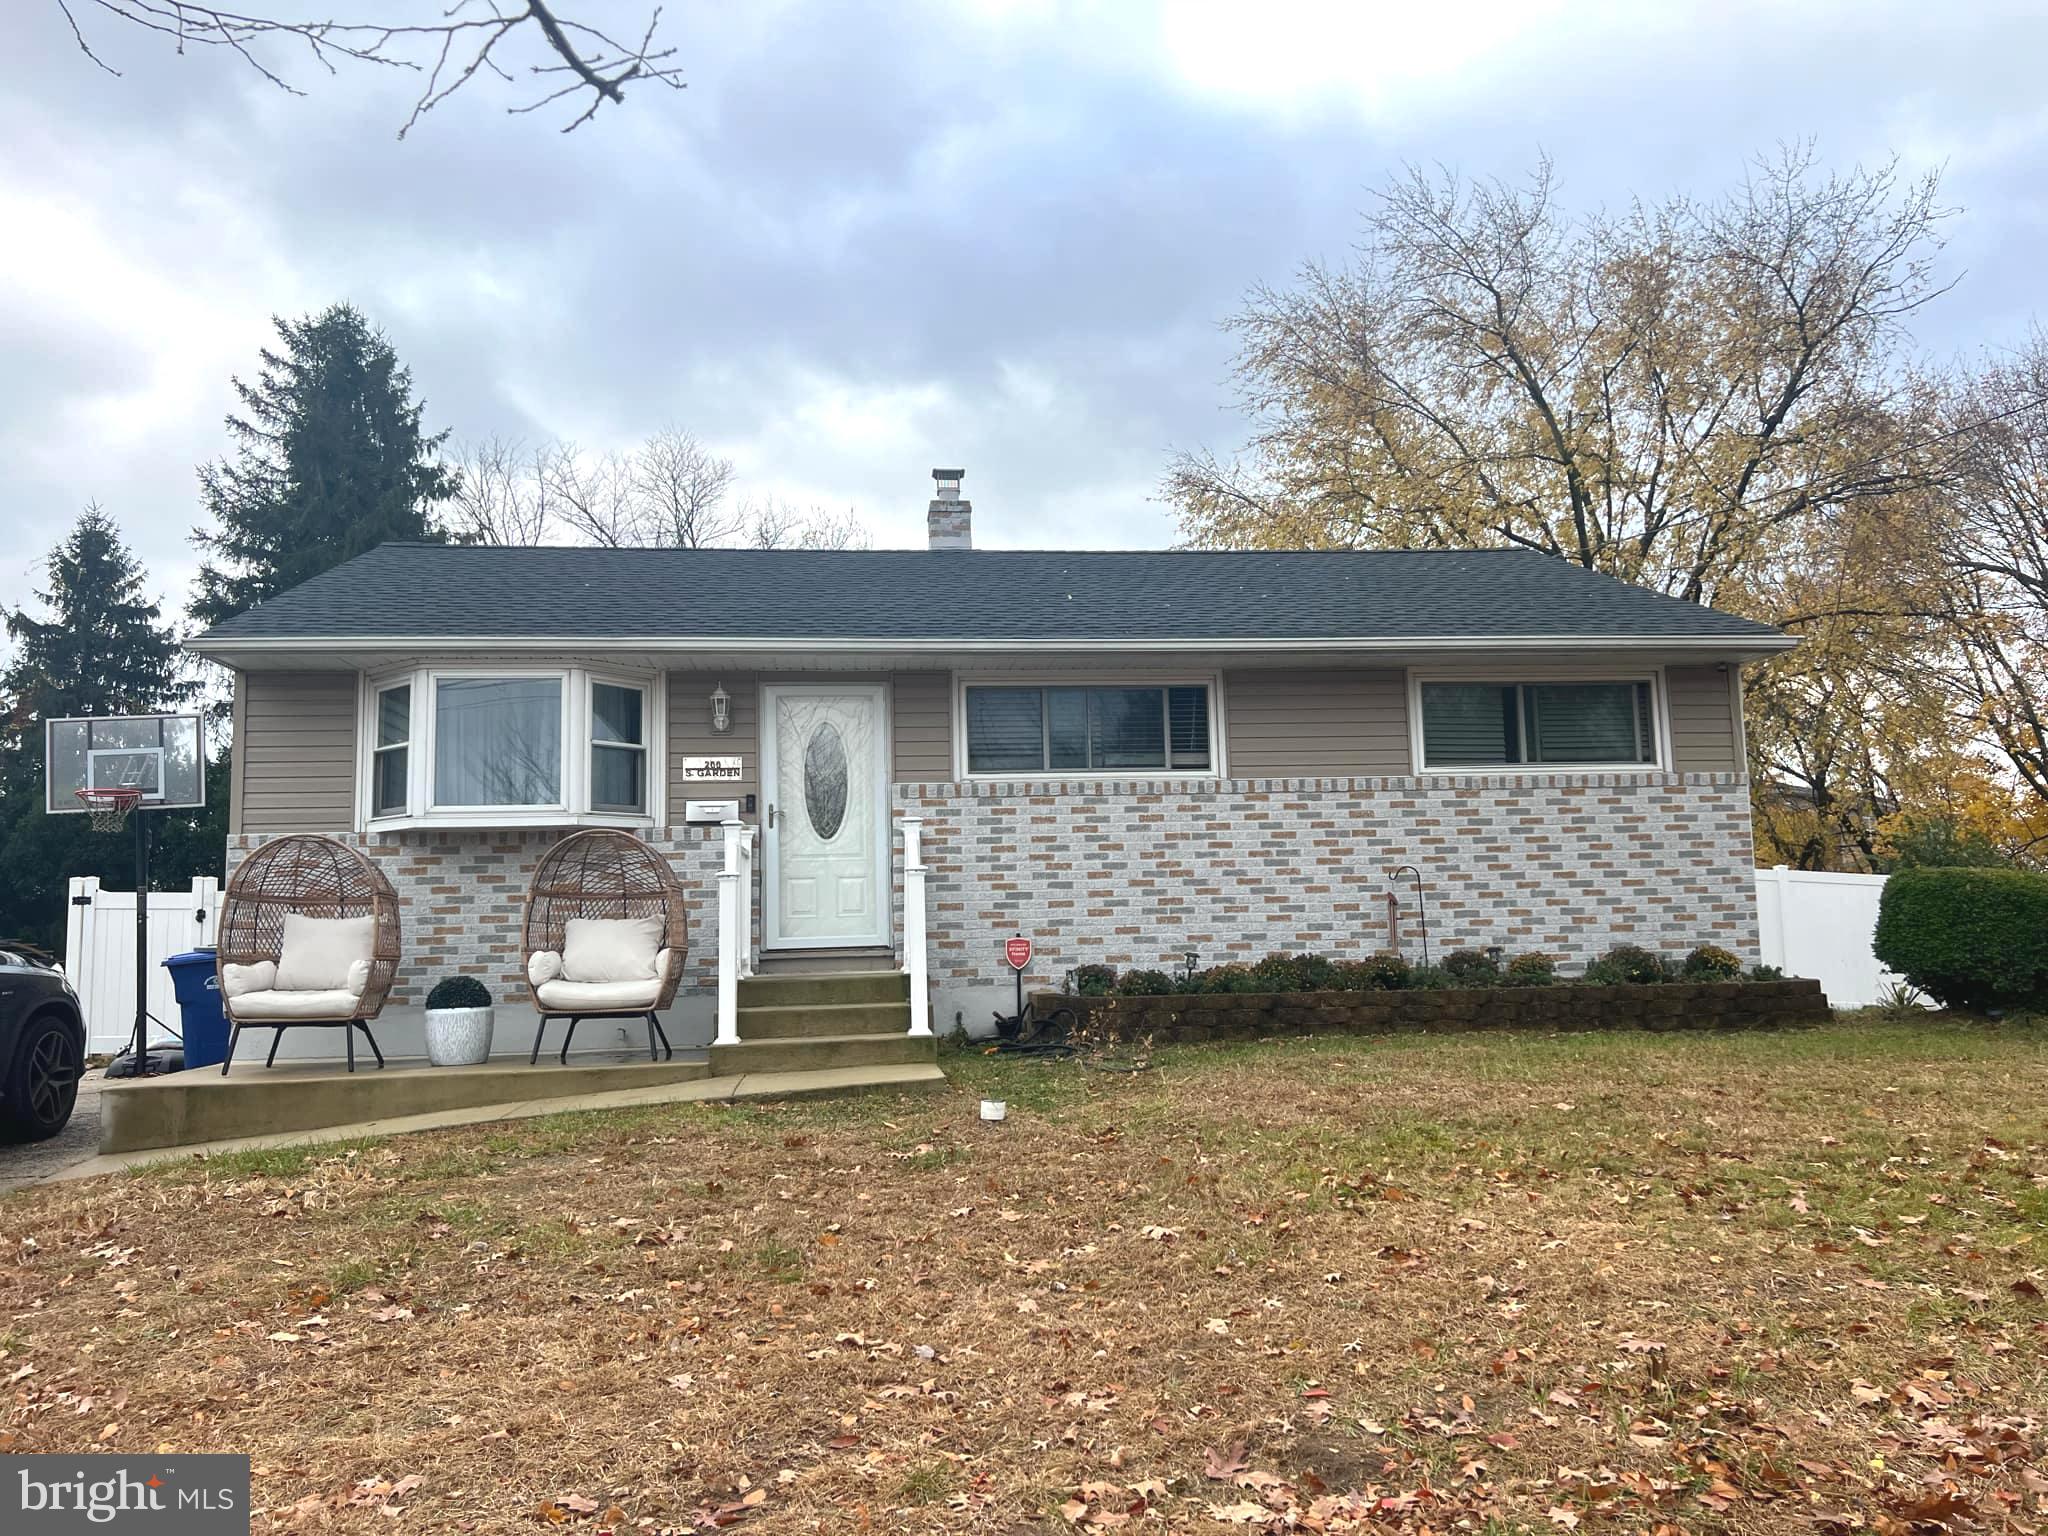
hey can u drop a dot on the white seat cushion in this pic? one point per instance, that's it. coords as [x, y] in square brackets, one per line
[322, 954]
[611, 948]
[286, 1005]
[235, 980]
[597, 996]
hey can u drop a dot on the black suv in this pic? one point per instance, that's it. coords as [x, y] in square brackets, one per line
[42, 1044]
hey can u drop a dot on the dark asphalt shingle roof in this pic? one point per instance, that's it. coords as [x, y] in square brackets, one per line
[430, 591]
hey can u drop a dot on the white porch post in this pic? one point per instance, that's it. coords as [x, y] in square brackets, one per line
[914, 958]
[734, 921]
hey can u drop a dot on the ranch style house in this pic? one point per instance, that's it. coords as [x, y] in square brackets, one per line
[1126, 757]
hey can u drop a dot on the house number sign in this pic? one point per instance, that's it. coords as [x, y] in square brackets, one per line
[724, 769]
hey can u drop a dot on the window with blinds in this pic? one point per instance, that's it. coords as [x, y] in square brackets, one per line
[1082, 730]
[1564, 724]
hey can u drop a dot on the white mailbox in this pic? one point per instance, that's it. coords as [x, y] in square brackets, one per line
[700, 812]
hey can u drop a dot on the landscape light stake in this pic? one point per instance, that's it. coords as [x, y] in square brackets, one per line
[1421, 904]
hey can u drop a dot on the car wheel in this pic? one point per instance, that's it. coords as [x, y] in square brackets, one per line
[42, 1086]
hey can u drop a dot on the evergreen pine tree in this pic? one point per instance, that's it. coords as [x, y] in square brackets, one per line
[330, 461]
[102, 650]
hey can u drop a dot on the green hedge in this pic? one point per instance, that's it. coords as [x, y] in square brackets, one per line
[1969, 938]
[1385, 972]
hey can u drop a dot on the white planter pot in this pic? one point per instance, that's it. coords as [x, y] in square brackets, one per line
[458, 1037]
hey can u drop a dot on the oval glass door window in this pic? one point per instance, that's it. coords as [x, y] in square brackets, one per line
[825, 780]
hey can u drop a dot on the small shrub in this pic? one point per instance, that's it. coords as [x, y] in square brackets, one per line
[1278, 973]
[1765, 973]
[459, 992]
[1969, 938]
[1387, 970]
[1710, 962]
[1093, 980]
[1627, 965]
[1146, 984]
[1431, 978]
[1232, 976]
[1472, 968]
[1534, 969]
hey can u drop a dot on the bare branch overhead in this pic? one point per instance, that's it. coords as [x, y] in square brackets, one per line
[575, 60]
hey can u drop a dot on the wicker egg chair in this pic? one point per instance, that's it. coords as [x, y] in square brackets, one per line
[605, 875]
[309, 877]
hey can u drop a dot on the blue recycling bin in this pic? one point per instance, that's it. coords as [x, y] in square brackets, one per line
[205, 1026]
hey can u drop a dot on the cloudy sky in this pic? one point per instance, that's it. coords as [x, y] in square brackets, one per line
[870, 239]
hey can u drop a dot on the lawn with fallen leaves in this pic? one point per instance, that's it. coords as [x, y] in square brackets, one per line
[1675, 1283]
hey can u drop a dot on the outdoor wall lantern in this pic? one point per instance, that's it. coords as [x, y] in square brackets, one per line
[721, 710]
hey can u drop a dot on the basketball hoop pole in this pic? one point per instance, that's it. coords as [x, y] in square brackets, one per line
[141, 1046]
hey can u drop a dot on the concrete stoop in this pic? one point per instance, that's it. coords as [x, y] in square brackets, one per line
[201, 1110]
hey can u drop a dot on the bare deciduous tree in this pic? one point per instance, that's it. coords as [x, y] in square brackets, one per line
[592, 494]
[772, 523]
[679, 490]
[503, 496]
[470, 37]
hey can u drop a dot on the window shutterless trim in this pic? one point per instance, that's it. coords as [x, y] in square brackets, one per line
[1515, 676]
[1211, 681]
[573, 808]
[379, 747]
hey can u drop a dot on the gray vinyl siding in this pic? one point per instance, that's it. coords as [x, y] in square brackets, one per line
[922, 726]
[295, 752]
[1705, 736]
[689, 735]
[1315, 723]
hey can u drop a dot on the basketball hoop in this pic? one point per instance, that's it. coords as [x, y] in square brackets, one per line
[108, 808]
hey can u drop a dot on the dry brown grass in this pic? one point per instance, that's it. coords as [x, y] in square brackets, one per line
[1786, 1282]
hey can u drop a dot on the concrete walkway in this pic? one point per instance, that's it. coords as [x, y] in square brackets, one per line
[752, 1085]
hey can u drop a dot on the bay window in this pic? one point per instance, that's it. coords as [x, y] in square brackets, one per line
[1565, 723]
[507, 746]
[1096, 729]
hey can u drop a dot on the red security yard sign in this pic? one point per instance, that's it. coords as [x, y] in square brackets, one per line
[1018, 952]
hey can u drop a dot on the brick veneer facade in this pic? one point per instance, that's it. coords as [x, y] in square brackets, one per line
[462, 896]
[1136, 872]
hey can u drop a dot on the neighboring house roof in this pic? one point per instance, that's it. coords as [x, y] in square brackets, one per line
[442, 593]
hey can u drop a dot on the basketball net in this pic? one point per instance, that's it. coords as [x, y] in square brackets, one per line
[108, 809]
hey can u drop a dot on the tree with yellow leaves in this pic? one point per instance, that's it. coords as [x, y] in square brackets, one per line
[1714, 399]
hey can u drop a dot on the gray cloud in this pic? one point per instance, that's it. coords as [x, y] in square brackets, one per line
[867, 240]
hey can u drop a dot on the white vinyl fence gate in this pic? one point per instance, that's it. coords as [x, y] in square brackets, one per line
[99, 954]
[1822, 925]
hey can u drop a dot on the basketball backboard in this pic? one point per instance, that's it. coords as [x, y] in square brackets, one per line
[164, 756]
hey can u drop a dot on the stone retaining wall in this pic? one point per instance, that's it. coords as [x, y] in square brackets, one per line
[1251, 1016]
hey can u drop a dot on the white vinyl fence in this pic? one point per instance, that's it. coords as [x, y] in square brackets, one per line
[1821, 925]
[99, 954]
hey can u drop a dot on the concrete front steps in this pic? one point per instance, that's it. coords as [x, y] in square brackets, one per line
[810, 1020]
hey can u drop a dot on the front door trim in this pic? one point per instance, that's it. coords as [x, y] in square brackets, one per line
[771, 839]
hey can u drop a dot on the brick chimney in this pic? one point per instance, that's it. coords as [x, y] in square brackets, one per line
[949, 521]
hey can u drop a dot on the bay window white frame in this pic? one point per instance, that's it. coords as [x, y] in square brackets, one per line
[1212, 681]
[1512, 675]
[573, 805]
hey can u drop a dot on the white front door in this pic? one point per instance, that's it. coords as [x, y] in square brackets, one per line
[826, 844]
